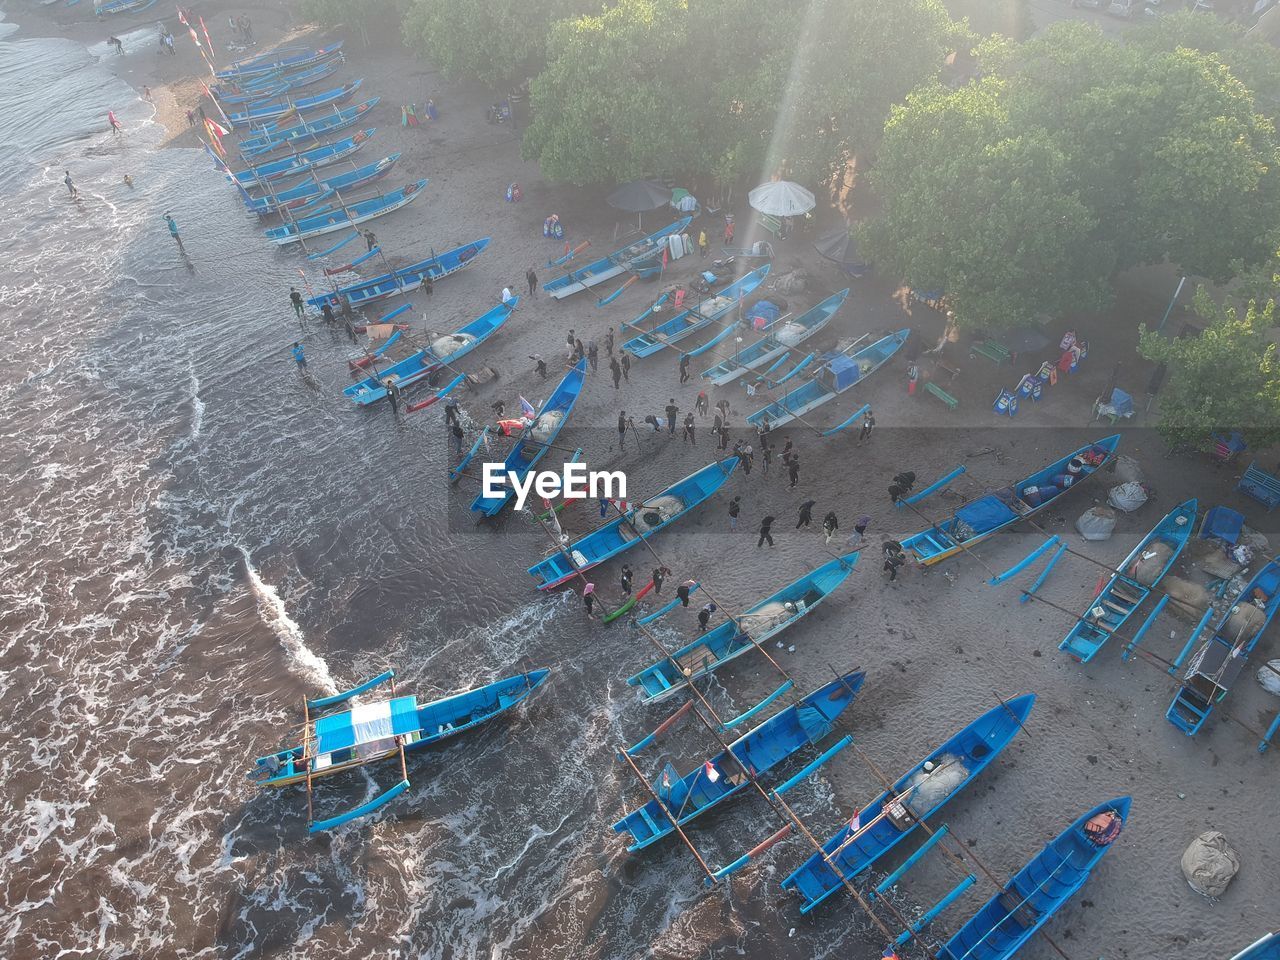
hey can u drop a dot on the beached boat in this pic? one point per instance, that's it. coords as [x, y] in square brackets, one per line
[282, 58]
[258, 112]
[301, 163]
[733, 638]
[1219, 661]
[275, 136]
[536, 439]
[986, 516]
[373, 732]
[777, 340]
[279, 83]
[1040, 889]
[346, 215]
[295, 197]
[688, 322]
[1267, 947]
[1124, 592]
[435, 267]
[112, 7]
[839, 372]
[620, 261]
[880, 825]
[767, 746]
[443, 350]
[640, 522]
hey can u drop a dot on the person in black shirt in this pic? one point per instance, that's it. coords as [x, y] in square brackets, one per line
[765, 526]
[672, 412]
[806, 513]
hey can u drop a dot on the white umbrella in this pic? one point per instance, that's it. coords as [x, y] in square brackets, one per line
[782, 198]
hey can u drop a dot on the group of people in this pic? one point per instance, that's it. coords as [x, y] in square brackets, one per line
[242, 28]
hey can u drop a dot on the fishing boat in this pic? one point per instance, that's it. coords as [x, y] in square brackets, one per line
[435, 267]
[123, 6]
[270, 111]
[778, 339]
[1126, 589]
[620, 261]
[282, 58]
[1040, 889]
[986, 516]
[880, 825]
[275, 136]
[443, 351]
[839, 372]
[301, 163]
[314, 189]
[679, 799]
[1217, 664]
[373, 732]
[1267, 947]
[346, 215]
[638, 523]
[735, 637]
[536, 439]
[688, 322]
[279, 83]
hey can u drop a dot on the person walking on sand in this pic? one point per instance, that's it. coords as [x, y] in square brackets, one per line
[569, 340]
[684, 368]
[659, 574]
[146, 94]
[625, 580]
[806, 513]
[116, 42]
[748, 457]
[589, 597]
[704, 616]
[173, 230]
[532, 279]
[579, 351]
[765, 527]
[456, 432]
[702, 404]
[626, 367]
[113, 122]
[299, 357]
[672, 413]
[830, 525]
[191, 118]
[893, 558]
[868, 424]
[913, 376]
[608, 342]
[723, 406]
[728, 232]
[859, 531]
[704, 246]
[793, 470]
[688, 430]
[622, 431]
[735, 507]
[539, 365]
[682, 592]
[766, 457]
[716, 425]
[786, 452]
[593, 355]
[615, 369]
[296, 299]
[71, 187]
[370, 239]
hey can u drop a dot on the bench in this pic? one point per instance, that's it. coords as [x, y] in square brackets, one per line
[941, 366]
[995, 352]
[1261, 486]
[772, 224]
[941, 394]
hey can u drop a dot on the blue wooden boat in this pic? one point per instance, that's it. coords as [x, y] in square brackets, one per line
[536, 439]
[1217, 664]
[435, 267]
[762, 749]
[280, 83]
[688, 322]
[372, 732]
[914, 797]
[986, 516]
[295, 197]
[276, 136]
[1267, 947]
[733, 638]
[301, 163]
[257, 112]
[418, 367]
[112, 7]
[1040, 889]
[282, 58]
[1124, 593]
[346, 215]
[778, 338]
[647, 517]
[839, 372]
[620, 261]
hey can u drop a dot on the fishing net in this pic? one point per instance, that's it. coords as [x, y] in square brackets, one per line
[715, 305]
[1244, 622]
[1146, 569]
[759, 622]
[790, 333]
[651, 515]
[452, 343]
[930, 789]
[546, 425]
[1186, 599]
[1209, 864]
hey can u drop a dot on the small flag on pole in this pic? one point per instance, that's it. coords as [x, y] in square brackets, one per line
[855, 824]
[182, 18]
[527, 408]
[712, 773]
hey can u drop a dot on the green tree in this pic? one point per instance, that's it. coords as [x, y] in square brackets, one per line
[366, 16]
[1227, 378]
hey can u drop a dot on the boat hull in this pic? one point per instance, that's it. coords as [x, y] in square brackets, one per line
[613, 265]
[405, 279]
[688, 322]
[356, 214]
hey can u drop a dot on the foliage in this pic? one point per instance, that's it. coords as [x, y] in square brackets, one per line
[382, 14]
[1227, 378]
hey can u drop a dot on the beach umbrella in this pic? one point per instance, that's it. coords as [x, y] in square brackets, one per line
[781, 198]
[639, 196]
[840, 248]
[1025, 340]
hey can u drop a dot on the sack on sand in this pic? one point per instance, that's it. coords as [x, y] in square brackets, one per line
[1269, 677]
[1186, 599]
[1096, 523]
[1128, 470]
[1209, 864]
[1127, 496]
[1146, 569]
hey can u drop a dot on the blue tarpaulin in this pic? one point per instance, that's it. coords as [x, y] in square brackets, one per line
[844, 371]
[1222, 523]
[985, 514]
[767, 310]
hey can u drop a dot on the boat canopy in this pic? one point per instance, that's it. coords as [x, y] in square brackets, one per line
[985, 513]
[367, 723]
[845, 371]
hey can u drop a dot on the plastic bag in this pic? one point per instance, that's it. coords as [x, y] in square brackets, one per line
[1127, 496]
[1096, 523]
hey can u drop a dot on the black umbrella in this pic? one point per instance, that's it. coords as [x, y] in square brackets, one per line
[839, 247]
[1025, 340]
[639, 196]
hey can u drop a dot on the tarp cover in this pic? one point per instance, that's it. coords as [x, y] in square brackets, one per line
[985, 513]
[1209, 864]
[845, 372]
[1096, 523]
[766, 310]
[1269, 676]
[367, 723]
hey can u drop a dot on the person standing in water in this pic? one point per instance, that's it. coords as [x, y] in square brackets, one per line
[71, 187]
[173, 229]
[296, 299]
[299, 357]
[113, 122]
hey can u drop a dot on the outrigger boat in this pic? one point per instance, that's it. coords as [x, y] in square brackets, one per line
[1040, 889]
[677, 800]
[1217, 664]
[777, 340]
[282, 58]
[434, 268]
[373, 732]
[1267, 947]
[1124, 592]
[986, 516]
[688, 322]
[733, 638]
[638, 523]
[536, 439]
[890, 818]
[347, 215]
[443, 351]
[316, 189]
[123, 6]
[280, 84]
[270, 111]
[839, 372]
[301, 163]
[618, 262]
[273, 136]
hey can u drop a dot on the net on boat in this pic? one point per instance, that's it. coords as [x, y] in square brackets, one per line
[759, 622]
[790, 333]
[546, 425]
[452, 343]
[931, 788]
[715, 305]
[1245, 621]
[1146, 569]
[651, 515]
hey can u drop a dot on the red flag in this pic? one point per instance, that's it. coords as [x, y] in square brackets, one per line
[182, 18]
[194, 38]
[712, 773]
[205, 31]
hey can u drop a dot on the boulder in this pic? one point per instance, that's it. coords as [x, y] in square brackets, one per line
[1209, 863]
